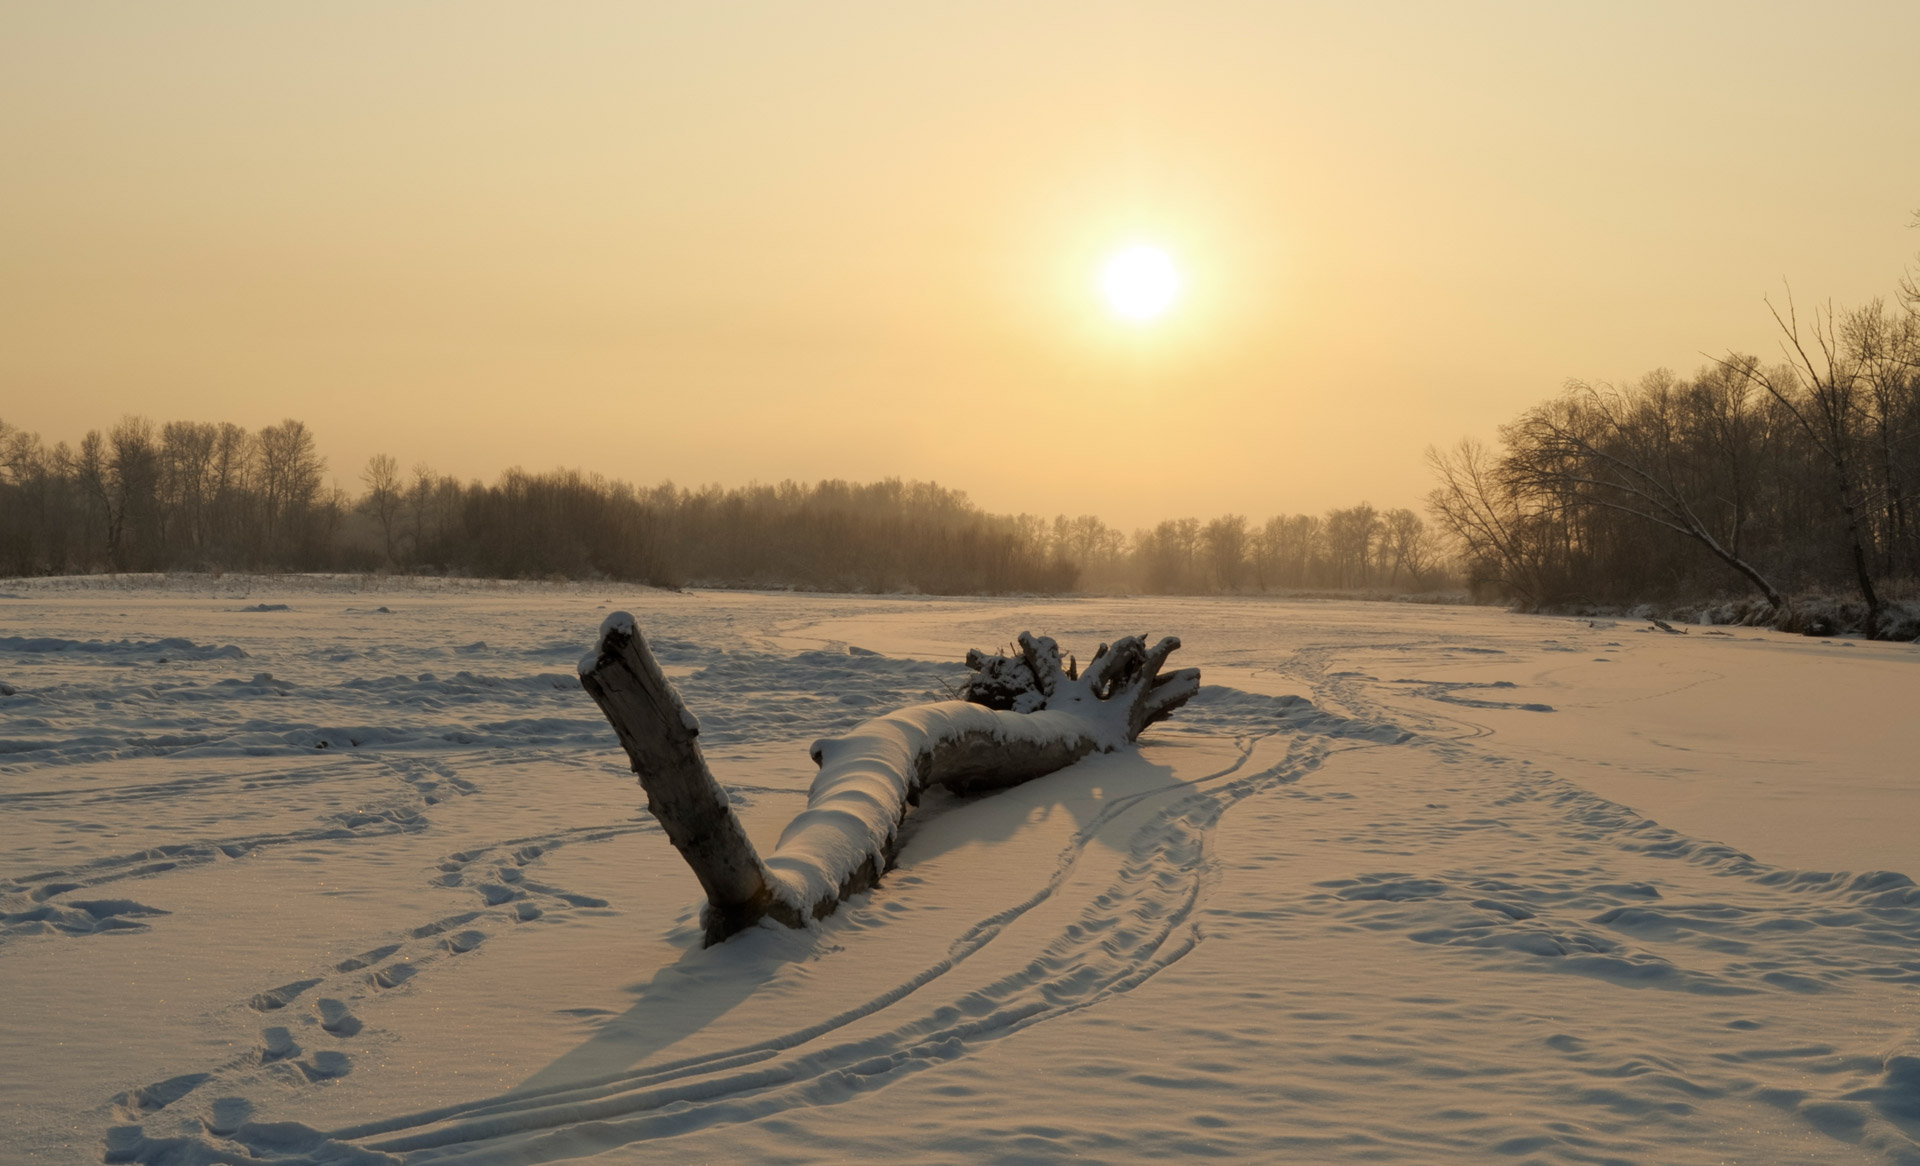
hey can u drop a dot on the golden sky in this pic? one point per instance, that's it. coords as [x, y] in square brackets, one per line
[733, 242]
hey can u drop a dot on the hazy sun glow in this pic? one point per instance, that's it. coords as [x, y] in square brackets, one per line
[752, 240]
[1141, 282]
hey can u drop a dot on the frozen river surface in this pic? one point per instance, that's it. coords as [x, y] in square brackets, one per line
[294, 872]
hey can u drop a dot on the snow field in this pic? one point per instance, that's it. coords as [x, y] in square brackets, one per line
[335, 884]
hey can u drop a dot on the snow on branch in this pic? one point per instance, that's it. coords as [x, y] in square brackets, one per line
[1022, 716]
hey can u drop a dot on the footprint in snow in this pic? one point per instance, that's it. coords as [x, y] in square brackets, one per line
[161, 1094]
[229, 1114]
[277, 998]
[276, 1044]
[392, 977]
[366, 959]
[336, 1017]
[326, 1065]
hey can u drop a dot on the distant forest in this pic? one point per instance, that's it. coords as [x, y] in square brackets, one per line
[1792, 479]
[1789, 483]
[194, 496]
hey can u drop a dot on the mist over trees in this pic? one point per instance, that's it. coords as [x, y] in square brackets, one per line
[192, 496]
[1352, 549]
[143, 498]
[1792, 478]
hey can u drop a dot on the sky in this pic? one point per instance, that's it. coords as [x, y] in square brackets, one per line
[738, 242]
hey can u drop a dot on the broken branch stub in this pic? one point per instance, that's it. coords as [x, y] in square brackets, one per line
[662, 742]
[1023, 717]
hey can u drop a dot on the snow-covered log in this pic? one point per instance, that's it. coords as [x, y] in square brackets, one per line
[1024, 716]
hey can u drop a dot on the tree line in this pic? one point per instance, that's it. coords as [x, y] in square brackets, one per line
[1788, 479]
[1349, 549]
[195, 496]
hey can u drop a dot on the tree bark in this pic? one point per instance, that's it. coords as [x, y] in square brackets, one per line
[1024, 717]
[662, 740]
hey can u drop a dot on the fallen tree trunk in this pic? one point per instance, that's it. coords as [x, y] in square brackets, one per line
[1023, 717]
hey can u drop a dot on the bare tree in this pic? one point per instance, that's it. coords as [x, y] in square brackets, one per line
[28, 532]
[1625, 452]
[230, 482]
[1225, 539]
[133, 471]
[290, 469]
[1885, 349]
[1261, 559]
[383, 497]
[1406, 539]
[1350, 535]
[1910, 280]
[419, 502]
[1826, 403]
[1164, 554]
[1186, 536]
[1488, 519]
[1732, 431]
[1285, 550]
[216, 496]
[186, 456]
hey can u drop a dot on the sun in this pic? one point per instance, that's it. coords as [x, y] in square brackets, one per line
[1141, 283]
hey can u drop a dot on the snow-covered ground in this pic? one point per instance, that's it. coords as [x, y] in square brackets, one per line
[361, 877]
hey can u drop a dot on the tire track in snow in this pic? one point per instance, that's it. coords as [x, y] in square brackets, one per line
[971, 941]
[1110, 939]
[1137, 925]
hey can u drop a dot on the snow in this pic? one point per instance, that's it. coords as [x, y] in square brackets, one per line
[1400, 884]
[869, 777]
